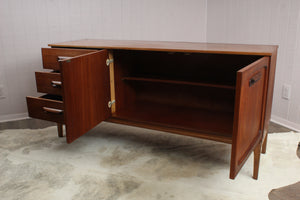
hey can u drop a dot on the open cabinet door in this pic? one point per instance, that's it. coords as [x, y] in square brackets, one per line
[86, 92]
[248, 113]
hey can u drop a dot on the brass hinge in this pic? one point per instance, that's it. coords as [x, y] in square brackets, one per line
[108, 61]
[110, 103]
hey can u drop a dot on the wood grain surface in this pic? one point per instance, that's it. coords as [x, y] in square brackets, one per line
[50, 56]
[86, 92]
[45, 84]
[35, 108]
[248, 114]
[245, 49]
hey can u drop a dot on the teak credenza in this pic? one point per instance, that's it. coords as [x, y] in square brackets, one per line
[220, 92]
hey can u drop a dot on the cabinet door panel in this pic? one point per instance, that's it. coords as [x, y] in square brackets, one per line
[249, 111]
[86, 92]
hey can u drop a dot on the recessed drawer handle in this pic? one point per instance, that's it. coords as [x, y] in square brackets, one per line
[254, 79]
[56, 84]
[53, 110]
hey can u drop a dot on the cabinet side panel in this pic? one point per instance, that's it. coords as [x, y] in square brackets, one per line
[86, 93]
[270, 89]
[247, 131]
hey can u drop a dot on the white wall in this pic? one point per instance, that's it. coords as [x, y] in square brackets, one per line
[26, 26]
[264, 22]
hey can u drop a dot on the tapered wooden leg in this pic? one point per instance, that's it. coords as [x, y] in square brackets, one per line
[264, 146]
[256, 160]
[60, 130]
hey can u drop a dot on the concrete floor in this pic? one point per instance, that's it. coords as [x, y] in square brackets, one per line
[276, 128]
[26, 123]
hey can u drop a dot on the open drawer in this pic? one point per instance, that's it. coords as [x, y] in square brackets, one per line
[48, 82]
[52, 56]
[77, 90]
[46, 107]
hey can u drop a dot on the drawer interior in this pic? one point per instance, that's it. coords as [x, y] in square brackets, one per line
[180, 90]
[51, 97]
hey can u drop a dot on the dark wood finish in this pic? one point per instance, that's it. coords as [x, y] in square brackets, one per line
[47, 82]
[244, 49]
[179, 82]
[247, 131]
[191, 119]
[50, 56]
[195, 97]
[52, 110]
[221, 92]
[215, 69]
[256, 152]
[86, 92]
[124, 93]
[200, 134]
[233, 49]
[264, 144]
[60, 130]
[269, 99]
[36, 109]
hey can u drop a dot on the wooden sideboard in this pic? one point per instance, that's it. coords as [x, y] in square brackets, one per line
[220, 92]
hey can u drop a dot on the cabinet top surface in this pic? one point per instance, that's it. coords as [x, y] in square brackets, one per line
[245, 49]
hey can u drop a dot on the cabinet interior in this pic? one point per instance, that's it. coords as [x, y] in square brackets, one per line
[190, 91]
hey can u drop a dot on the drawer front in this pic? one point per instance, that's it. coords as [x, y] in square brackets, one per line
[46, 109]
[51, 56]
[47, 82]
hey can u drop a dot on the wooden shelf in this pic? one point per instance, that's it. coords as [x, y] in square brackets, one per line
[230, 87]
[203, 123]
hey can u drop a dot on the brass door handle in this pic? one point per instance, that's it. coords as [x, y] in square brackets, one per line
[254, 79]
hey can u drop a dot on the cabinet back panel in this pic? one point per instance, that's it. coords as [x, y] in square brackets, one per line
[213, 99]
[197, 67]
[191, 119]
[195, 105]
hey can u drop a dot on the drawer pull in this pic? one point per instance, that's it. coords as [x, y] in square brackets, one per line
[60, 58]
[52, 110]
[56, 84]
[254, 79]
